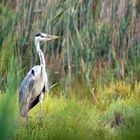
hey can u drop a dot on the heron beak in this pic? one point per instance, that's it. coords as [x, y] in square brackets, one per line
[51, 37]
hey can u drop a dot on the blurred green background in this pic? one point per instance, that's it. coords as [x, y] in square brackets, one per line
[95, 63]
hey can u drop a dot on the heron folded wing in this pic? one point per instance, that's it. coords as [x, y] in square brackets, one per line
[31, 84]
[25, 93]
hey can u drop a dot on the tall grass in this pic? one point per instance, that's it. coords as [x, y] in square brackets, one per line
[114, 116]
[8, 106]
[99, 45]
[92, 40]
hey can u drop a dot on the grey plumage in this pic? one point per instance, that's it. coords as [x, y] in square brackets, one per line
[31, 87]
[35, 84]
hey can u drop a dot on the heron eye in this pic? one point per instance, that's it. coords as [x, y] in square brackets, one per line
[42, 36]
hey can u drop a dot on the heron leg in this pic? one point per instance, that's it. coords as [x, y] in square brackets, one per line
[27, 109]
[27, 116]
[40, 115]
[27, 119]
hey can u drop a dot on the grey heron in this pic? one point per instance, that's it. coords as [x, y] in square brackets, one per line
[35, 83]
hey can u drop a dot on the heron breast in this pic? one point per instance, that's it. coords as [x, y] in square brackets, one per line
[38, 88]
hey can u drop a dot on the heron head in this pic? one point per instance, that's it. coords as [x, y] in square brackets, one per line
[44, 37]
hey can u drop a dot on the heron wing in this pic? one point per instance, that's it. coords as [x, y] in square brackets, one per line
[26, 88]
[31, 88]
[45, 88]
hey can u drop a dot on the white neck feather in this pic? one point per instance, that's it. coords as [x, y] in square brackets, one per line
[40, 53]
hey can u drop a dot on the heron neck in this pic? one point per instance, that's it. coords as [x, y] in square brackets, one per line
[40, 54]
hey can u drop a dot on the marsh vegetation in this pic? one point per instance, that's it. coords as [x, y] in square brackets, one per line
[95, 63]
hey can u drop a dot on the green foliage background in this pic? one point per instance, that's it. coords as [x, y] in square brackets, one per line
[95, 63]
